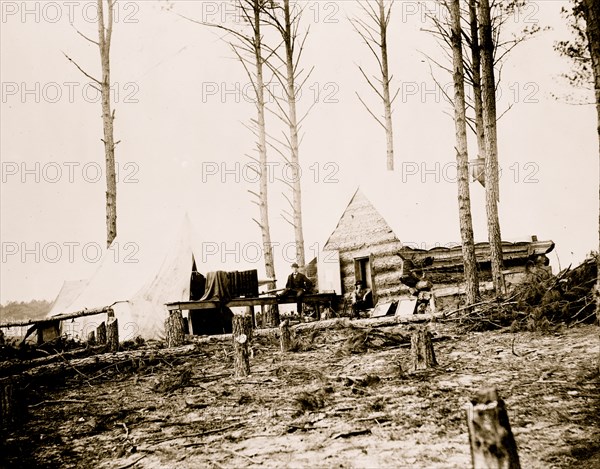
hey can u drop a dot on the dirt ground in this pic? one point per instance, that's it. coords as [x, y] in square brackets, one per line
[342, 400]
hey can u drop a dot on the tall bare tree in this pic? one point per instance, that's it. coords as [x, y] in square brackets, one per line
[247, 44]
[462, 159]
[496, 46]
[488, 95]
[285, 65]
[105, 28]
[592, 20]
[476, 83]
[373, 32]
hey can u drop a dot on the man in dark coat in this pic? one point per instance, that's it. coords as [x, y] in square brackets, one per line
[297, 284]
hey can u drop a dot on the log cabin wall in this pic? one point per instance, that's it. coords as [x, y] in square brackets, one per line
[363, 233]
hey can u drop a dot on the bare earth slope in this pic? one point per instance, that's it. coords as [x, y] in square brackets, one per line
[342, 401]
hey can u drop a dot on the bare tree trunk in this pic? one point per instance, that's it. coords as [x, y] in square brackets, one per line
[293, 129]
[385, 75]
[476, 78]
[104, 36]
[492, 443]
[272, 311]
[379, 18]
[592, 19]
[462, 159]
[488, 91]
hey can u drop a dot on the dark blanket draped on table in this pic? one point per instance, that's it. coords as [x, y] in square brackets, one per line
[217, 287]
[218, 320]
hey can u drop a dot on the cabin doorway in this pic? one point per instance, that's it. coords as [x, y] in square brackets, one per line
[363, 271]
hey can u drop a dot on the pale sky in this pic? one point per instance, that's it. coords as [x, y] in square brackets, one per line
[180, 109]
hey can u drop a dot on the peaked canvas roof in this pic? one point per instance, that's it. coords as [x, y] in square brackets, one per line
[70, 290]
[137, 289]
[359, 215]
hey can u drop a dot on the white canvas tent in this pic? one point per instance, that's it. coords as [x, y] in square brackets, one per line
[137, 291]
[69, 291]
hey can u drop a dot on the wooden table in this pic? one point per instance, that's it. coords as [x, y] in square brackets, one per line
[317, 299]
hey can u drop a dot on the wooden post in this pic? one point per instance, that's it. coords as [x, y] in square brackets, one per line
[112, 334]
[271, 318]
[422, 355]
[241, 335]
[91, 338]
[101, 333]
[493, 445]
[285, 336]
[174, 332]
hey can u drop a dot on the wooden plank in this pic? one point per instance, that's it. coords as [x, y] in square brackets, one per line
[240, 302]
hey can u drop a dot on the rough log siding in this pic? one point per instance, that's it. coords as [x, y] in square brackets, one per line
[362, 232]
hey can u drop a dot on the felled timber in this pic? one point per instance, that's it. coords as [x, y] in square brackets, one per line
[89, 364]
[12, 367]
[386, 321]
[58, 317]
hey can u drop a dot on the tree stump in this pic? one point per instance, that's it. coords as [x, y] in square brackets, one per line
[493, 445]
[112, 334]
[241, 338]
[249, 316]
[174, 329]
[11, 409]
[271, 318]
[285, 336]
[101, 333]
[422, 355]
[250, 320]
[91, 338]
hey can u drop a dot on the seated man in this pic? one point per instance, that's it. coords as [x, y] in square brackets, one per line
[297, 284]
[361, 298]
